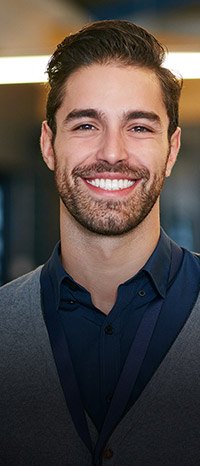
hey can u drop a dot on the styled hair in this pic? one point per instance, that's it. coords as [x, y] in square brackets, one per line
[108, 41]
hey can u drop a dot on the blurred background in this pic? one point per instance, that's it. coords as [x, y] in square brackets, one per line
[29, 210]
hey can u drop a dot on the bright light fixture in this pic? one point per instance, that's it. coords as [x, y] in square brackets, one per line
[185, 64]
[31, 69]
[19, 70]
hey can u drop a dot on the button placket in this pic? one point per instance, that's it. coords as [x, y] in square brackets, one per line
[109, 360]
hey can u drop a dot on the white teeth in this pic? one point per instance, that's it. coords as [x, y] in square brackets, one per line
[111, 185]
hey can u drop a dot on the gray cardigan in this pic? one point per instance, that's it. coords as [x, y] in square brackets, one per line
[162, 428]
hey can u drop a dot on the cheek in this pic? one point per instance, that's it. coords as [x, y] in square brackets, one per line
[151, 156]
[147, 147]
[156, 163]
[158, 153]
[72, 153]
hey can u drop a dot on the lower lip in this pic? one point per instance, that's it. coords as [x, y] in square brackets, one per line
[116, 192]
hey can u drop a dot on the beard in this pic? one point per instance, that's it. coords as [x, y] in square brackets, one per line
[108, 217]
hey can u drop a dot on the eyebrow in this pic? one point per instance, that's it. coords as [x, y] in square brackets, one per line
[96, 114]
[87, 113]
[137, 114]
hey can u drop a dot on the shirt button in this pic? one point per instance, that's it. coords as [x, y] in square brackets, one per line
[71, 301]
[108, 330]
[107, 453]
[142, 293]
[108, 398]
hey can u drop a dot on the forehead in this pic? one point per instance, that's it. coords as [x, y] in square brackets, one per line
[113, 88]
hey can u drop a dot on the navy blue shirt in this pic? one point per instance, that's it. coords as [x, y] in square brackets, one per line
[99, 343]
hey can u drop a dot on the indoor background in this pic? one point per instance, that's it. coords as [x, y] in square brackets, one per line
[28, 200]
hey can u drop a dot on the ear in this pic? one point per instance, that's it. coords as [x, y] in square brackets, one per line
[175, 143]
[47, 146]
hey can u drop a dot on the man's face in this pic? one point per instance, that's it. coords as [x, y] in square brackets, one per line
[111, 151]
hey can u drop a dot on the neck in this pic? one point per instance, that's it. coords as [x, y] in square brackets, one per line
[100, 263]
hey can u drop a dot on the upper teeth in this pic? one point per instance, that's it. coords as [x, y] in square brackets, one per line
[111, 185]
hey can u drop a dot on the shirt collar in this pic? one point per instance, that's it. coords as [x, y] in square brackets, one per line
[58, 274]
[157, 267]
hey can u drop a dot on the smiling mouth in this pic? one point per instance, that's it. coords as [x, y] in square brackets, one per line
[111, 184]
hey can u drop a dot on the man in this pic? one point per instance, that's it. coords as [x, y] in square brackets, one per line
[100, 347]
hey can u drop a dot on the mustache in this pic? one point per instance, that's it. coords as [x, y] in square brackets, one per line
[104, 167]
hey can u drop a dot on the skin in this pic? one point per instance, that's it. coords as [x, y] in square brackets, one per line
[112, 124]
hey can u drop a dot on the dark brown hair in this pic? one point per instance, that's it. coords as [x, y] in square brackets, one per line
[107, 41]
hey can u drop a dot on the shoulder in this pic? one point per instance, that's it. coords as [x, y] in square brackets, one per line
[21, 288]
[20, 307]
[194, 256]
[190, 268]
[197, 304]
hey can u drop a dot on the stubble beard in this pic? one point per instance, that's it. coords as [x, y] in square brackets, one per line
[108, 217]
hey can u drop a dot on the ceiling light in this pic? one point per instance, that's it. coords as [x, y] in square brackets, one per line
[19, 70]
[31, 69]
[184, 64]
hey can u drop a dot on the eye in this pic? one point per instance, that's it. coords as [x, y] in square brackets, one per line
[85, 127]
[140, 129]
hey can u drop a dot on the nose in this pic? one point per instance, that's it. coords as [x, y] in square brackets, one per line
[113, 147]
